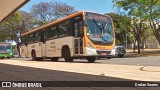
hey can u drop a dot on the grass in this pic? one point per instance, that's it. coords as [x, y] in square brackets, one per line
[144, 53]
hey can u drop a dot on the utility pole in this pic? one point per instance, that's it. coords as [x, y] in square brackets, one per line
[126, 41]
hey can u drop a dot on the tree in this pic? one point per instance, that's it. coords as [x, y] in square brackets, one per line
[42, 11]
[10, 27]
[154, 17]
[27, 20]
[3, 33]
[61, 9]
[146, 36]
[137, 17]
[50, 11]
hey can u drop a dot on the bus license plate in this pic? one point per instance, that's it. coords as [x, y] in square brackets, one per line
[104, 54]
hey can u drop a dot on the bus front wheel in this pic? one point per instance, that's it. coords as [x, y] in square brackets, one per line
[91, 59]
[66, 54]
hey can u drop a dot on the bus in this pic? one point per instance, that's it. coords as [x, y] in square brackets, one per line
[6, 50]
[79, 35]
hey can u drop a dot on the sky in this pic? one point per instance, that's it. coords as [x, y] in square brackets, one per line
[99, 6]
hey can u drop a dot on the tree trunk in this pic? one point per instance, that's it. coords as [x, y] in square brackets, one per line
[18, 49]
[139, 50]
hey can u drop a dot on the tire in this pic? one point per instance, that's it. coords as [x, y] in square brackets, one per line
[108, 58]
[67, 55]
[55, 59]
[91, 59]
[121, 55]
[8, 57]
[33, 55]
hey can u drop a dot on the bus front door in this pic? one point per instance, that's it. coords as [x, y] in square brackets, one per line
[78, 41]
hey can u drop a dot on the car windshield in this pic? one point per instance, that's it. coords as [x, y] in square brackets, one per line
[100, 30]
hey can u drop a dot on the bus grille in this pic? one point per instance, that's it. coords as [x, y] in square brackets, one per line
[101, 52]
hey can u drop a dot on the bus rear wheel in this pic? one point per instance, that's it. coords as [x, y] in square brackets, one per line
[91, 59]
[33, 55]
[67, 55]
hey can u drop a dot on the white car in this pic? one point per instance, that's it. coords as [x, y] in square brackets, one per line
[119, 51]
[16, 55]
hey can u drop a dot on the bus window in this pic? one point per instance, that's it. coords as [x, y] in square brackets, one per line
[23, 40]
[64, 28]
[46, 34]
[37, 37]
[81, 29]
[27, 41]
[42, 37]
[53, 32]
[78, 26]
[78, 29]
[31, 38]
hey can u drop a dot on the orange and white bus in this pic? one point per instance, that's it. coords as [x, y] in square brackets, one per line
[79, 35]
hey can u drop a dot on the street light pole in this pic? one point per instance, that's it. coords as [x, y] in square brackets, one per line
[126, 41]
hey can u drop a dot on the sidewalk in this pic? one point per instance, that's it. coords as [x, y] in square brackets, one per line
[131, 50]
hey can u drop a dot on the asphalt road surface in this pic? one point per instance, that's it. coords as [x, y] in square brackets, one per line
[143, 61]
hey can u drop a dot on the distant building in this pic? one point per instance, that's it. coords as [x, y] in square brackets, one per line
[151, 42]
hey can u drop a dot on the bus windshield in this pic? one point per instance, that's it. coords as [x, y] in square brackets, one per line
[5, 48]
[99, 29]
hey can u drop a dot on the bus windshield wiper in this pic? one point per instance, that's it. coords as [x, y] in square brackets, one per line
[101, 29]
[97, 24]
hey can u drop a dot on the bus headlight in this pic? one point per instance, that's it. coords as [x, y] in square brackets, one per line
[10, 53]
[90, 46]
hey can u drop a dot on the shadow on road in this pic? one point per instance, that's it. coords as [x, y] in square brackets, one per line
[84, 81]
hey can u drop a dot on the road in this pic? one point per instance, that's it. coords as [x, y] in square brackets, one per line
[143, 61]
[115, 69]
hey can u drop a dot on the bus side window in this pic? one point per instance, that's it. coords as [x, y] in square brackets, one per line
[64, 28]
[23, 40]
[81, 32]
[26, 40]
[37, 36]
[46, 34]
[42, 37]
[78, 26]
[54, 32]
[76, 29]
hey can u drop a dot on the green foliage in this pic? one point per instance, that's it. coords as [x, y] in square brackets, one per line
[145, 10]
[10, 27]
[136, 11]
